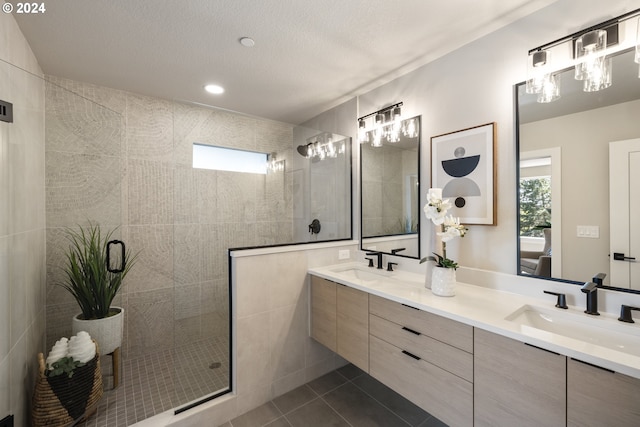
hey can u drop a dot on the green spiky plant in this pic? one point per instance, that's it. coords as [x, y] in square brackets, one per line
[89, 281]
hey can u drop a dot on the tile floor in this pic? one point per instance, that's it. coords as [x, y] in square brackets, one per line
[345, 397]
[152, 384]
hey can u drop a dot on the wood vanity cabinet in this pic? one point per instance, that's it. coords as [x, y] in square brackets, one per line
[340, 320]
[323, 312]
[352, 334]
[517, 384]
[600, 397]
[426, 358]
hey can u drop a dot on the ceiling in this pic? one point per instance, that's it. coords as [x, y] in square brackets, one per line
[309, 55]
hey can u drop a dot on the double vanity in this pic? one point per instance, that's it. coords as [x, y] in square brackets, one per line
[484, 357]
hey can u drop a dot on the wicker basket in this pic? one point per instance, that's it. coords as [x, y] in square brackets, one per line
[61, 401]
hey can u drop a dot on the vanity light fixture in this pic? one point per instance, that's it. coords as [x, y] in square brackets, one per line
[273, 164]
[540, 80]
[321, 147]
[592, 66]
[385, 125]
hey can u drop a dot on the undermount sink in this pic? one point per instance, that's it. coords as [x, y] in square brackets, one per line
[600, 331]
[362, 273]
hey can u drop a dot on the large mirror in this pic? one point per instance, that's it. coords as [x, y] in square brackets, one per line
[389, 177]
[579, 191]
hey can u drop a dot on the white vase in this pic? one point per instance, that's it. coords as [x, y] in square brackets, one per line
[107, 332]
[443, 282]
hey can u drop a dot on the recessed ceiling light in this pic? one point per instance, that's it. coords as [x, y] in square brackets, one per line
[215, 89]
[247, 42]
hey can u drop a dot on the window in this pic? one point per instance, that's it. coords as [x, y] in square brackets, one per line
[535, 205]
[228, 159]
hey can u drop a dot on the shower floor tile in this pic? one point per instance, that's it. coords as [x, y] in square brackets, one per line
[152, 384]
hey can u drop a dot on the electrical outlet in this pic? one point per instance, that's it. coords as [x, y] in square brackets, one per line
[344, 254]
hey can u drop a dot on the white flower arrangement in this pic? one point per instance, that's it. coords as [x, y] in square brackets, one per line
[436, 210]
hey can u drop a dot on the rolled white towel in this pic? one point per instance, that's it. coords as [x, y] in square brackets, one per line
[59, 350]
[81, 348]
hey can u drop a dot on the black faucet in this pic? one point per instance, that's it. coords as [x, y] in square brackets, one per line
[591, 289]
[390, 265]
[598, 279]
[395, 251]
[562, 299]
[377, 254]
[625, 313]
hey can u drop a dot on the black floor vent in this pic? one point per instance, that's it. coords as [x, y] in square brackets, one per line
[6, 115]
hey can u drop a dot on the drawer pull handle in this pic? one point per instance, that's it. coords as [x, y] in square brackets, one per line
[411, 330]
[411, 355]
[411, 307]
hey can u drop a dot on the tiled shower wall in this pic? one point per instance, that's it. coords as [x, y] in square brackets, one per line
[120, 158]
[22, 227]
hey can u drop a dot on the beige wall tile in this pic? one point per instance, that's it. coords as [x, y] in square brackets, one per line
[149, 128]
[186, 254]
[82, 187]
[254, 368]
[288, 334]
[151, 187]
[149, 322]
[154, 266]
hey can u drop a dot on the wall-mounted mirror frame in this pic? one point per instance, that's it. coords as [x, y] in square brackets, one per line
[389, 195]
[572, 136]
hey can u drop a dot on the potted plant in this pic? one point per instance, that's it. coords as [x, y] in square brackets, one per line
[443, 277]
[94, 283]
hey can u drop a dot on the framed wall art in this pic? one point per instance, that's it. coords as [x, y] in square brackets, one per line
[463, 165]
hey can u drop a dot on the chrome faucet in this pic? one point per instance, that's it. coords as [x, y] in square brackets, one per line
[591, 289]
[377, 254]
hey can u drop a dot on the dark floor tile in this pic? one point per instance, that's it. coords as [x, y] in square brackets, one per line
[257, 417]
[316, 414]
[360, 409]
[350, 371]
[294, 399]
[397, 404]
[433, 422]
[280, 422]
[327, 382]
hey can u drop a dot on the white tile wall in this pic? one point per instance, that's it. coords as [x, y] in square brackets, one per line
[22, 213]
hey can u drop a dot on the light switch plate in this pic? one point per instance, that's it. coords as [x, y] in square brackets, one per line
[588, 231]
[344, 254]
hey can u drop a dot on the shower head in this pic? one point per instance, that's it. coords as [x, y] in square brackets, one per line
[303, 150]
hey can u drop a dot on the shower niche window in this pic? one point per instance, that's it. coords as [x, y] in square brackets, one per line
[229, 159]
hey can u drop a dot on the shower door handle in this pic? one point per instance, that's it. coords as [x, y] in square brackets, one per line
[122, 255]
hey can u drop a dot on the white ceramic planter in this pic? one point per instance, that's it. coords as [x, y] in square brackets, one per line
[443, 282]
[107, 332]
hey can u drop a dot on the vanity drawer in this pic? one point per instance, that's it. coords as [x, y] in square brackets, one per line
[444, 395]
[449, 358]
[448, 331]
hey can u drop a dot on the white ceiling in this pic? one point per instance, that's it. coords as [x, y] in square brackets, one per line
[310, 55]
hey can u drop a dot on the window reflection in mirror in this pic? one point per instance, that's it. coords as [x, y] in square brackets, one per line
[389, 177]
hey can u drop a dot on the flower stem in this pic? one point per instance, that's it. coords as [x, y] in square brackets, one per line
[444, 244]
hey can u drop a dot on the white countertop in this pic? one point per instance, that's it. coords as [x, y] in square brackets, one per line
[487, 308]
